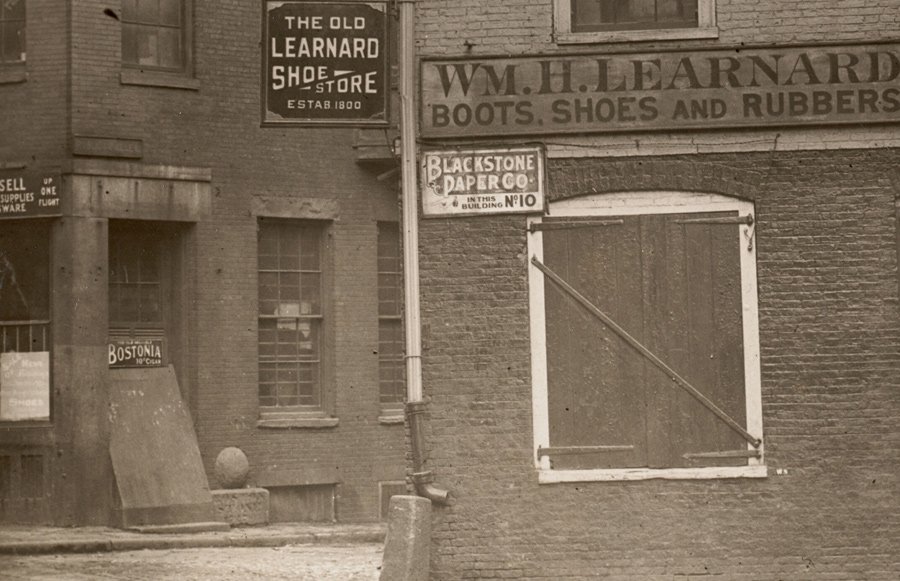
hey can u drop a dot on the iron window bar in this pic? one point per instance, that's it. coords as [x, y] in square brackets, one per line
[575, 450]
[640, 348]
[565, 225]
[723, 454]
[746, 220]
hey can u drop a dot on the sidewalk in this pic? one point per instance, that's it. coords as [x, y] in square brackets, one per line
[34, 540]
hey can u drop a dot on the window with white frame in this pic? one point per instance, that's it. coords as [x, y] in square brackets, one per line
[634, 20]
[645, 341]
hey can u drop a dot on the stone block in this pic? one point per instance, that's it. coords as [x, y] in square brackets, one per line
[408, 542]
[242, 506]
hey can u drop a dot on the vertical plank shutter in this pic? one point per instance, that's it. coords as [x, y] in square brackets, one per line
[669, 287]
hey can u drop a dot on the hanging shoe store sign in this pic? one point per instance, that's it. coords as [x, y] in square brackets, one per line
[617, 92]
[471, 182]
[325, 63]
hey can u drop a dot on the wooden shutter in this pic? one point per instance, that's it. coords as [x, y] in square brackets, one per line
[673, 283]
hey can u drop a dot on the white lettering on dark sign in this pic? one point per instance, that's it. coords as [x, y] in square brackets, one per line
[326, 62]
[26, 193]
[136, 353]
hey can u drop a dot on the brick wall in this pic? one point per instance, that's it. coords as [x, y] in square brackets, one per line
[515, 26]
[36, 132]
[826, 238]
[828, 298]
[216, 124]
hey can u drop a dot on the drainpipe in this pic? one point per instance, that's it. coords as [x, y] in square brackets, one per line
[415, 406]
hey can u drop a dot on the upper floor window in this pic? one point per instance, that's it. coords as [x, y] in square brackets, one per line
[633, 20]
[12, 31]
[154, 34]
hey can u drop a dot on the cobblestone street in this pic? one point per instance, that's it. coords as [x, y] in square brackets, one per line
[350, 562]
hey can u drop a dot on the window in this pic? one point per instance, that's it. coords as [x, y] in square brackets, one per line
[634, 20]
[390, 323]
[135, 282]
[645, 338]
[24, 320]
[290, 315]
[12, 31]
[154, 34]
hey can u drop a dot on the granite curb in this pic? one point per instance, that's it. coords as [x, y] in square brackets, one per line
[73, 542]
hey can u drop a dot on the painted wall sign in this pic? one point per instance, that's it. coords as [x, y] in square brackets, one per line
[135, 353]
[25, 193]
[597, 93]
[483, 181]
[325, 63]
[25, 386]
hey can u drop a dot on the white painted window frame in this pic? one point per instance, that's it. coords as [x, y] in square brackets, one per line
[646, 203]
[706, 27]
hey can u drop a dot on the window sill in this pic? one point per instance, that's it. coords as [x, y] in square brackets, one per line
[13, 74]
[299, 422]
[158, 79]
[636, 35]
[619, 475]
[391, 418]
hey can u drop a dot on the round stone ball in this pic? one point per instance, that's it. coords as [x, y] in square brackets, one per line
[232, 468]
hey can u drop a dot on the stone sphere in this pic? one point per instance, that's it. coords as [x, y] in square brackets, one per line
[232, 468]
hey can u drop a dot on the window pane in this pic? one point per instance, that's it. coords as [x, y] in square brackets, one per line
[150, 303]
[129, 10]
[598, 15]
[310, 248]
[129, 43]
[170, 12]
[129, 302]
[289, 288]
[310, 293]
[148, 11]
[24, 271]
[12, 10]
[288, 249]
[390, 361]
[170, 48]
[148, 46]
[12, 36]
[389, 295]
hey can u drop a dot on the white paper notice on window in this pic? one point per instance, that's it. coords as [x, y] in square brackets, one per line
[25, 386]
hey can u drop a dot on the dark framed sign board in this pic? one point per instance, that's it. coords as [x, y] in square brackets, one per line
[29, 193]
[325, 63]
[744, 87]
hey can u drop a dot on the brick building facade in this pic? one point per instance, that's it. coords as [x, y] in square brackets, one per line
[186, 225]
[761, 255]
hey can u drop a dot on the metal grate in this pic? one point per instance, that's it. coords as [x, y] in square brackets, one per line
[24, 336]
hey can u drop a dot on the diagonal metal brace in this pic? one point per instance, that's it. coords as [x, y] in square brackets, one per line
[640, 348]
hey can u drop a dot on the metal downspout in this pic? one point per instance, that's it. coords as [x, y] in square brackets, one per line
[415, 406]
